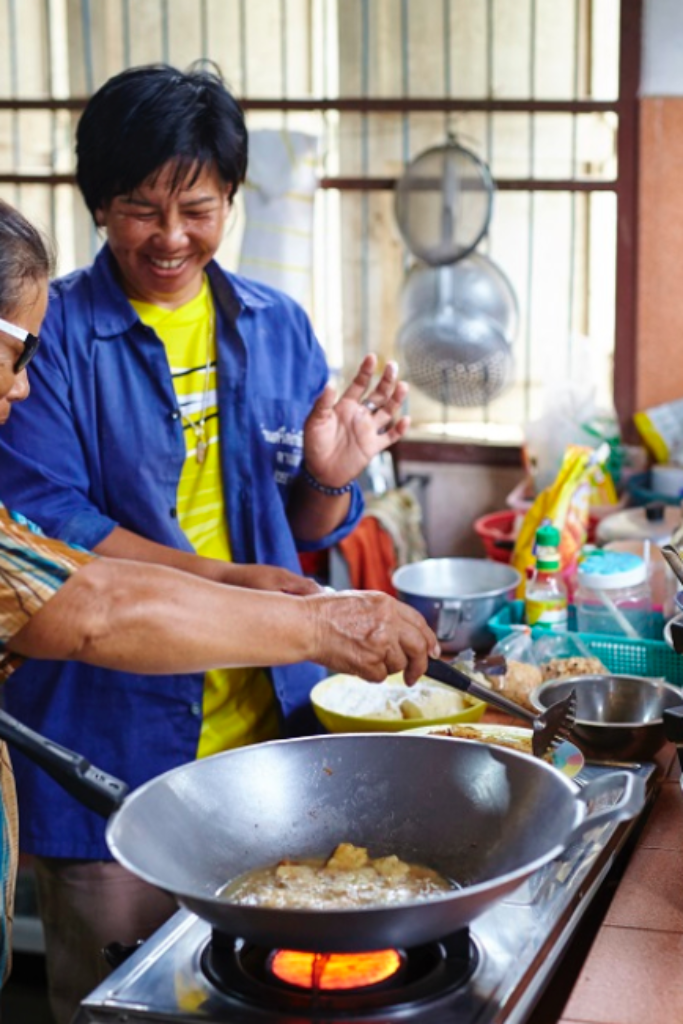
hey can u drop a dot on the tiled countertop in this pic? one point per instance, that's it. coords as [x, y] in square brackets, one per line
[633, 973]
[625, 966]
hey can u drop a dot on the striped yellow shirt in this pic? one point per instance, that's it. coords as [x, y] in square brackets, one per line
[239, 706]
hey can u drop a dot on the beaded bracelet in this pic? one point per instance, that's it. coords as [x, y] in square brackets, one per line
[331, 492]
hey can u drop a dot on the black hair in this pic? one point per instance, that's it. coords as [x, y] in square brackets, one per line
[24, 256]
[144, 118]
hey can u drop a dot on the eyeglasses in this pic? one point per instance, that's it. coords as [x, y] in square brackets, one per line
[31, 343]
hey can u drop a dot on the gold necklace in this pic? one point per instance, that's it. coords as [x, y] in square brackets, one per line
[199, 428]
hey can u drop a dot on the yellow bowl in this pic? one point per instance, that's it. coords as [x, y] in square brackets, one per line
[335, 720]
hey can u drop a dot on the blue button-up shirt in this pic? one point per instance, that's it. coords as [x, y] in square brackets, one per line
[100, 444]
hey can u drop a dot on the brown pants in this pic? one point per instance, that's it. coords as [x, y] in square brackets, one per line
[84, 906]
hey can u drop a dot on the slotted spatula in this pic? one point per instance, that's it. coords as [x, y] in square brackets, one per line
[549, 728]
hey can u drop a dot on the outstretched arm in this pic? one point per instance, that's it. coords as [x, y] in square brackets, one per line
[122, 543]
[154, 619]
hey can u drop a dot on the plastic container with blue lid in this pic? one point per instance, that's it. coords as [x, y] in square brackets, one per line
[613, 595]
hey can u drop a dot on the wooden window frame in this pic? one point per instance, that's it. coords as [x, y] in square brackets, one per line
[626, 107]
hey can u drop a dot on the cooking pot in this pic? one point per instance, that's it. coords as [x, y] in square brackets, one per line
[617, 716]
[483, 816]
[457, 597]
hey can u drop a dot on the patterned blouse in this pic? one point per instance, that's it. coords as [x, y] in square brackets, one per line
[32, 569]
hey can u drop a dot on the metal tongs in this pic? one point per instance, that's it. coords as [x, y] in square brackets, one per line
[550, 729]
[673, 557]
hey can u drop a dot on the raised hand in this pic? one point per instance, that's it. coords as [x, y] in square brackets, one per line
[342, 435]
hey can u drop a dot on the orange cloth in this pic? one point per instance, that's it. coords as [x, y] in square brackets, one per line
[369, 553]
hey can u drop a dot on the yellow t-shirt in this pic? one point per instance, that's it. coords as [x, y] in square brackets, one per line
[239, 704]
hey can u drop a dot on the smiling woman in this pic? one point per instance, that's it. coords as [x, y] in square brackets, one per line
[122, 619]
[164, 233]
[165, 208]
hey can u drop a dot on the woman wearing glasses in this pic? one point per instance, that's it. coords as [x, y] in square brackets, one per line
[61, 602]
[29, 344]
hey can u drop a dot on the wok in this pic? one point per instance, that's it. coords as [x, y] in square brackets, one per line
[486, 817]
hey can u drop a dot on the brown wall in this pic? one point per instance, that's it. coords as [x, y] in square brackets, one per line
[659, 358]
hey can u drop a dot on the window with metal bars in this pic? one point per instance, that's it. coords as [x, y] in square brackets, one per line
[542, 91]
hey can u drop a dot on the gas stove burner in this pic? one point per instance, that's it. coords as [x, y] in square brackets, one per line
[318, 972]
[255, 975]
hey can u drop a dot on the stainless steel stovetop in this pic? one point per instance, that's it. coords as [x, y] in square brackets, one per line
[517, 943]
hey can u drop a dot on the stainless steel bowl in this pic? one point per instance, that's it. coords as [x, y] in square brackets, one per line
[457, 597]
[618, 717]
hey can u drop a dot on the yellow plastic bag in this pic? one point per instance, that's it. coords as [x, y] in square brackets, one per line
[602, 489]
[564, 504]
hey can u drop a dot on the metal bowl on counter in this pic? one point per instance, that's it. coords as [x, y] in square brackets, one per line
[457, 597]
[618, 717]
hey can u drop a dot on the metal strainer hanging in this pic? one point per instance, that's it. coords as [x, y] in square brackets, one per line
[458, 320]
[454, 355]
[476, 286]
[443, 203]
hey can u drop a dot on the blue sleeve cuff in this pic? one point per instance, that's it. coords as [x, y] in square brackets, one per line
[87, 529]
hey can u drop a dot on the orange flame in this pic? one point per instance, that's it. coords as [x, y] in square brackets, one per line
[334, 971]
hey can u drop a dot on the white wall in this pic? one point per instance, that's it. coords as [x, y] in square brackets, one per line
[662, 66]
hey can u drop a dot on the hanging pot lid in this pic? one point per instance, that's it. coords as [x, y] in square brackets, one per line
[655, 521]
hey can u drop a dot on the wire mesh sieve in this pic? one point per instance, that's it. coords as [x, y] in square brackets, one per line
[456, 360]
[443, 203]
[456, 350]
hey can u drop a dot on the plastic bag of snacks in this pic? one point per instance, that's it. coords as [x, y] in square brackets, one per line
[565, 654]
[522, 671]
[510, 668]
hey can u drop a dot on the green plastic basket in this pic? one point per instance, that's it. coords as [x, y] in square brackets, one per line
[618, 654]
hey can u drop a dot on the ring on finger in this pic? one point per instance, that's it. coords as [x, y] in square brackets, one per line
[371, 406]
